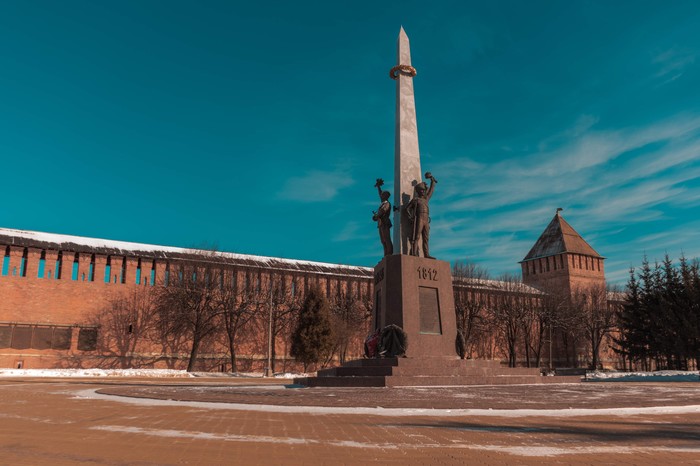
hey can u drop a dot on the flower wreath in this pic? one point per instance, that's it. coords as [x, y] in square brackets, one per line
[398, 69]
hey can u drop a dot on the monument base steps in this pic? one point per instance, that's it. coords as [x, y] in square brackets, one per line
[411, 372]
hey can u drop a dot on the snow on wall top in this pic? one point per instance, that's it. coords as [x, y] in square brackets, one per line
[79, 244]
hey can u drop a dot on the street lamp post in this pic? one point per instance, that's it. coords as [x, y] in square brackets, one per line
[268, 369]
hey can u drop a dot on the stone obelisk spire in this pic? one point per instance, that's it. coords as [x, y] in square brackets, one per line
[406, 155]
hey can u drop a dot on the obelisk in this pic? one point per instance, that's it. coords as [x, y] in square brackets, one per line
[412, 292]
[407, 171]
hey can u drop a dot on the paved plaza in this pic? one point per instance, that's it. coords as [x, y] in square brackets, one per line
[132, 421]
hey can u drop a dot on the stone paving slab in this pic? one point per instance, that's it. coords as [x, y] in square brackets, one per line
[66, 422]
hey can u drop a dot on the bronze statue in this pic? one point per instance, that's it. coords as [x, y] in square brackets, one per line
[381, 216]
[419, 215]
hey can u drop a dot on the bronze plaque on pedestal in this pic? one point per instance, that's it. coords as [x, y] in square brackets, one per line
[429, 307]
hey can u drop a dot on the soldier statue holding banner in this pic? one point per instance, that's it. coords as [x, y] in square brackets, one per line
[381, 216]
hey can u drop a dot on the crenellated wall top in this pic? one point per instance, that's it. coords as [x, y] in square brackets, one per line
[79, 244]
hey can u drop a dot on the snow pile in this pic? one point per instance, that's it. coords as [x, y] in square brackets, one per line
[93, 373]
[656, 376]
[133, 373]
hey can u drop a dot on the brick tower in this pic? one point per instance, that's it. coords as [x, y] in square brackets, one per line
[562, 260]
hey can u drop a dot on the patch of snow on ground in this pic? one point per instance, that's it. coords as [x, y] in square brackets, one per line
[656, 376]
[160, 373]
[511, 413]
[93, 373]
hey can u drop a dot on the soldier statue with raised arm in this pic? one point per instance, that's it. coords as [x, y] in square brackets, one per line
[381, 216]
[419, 216]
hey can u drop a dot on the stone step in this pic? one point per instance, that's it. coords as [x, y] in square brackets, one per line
[463, 371]
[423, 362]
[432, 371]
[355, 371]
[334, 381]
[417, 381]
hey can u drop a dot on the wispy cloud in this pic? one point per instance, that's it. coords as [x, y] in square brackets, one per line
[316, 186]
[673, 62]
[608, 179]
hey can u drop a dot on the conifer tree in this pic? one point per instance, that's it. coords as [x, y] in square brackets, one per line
[312, 339]
[660, 320]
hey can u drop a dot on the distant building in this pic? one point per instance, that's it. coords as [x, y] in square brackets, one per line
[53, 288]
[562, 259]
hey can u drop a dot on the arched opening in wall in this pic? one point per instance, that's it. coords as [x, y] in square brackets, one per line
[41, 268]
[122, 277]
[547, 261]
[283, 286]
[561, 260]
[76, 267]
[91, 270]
[166, 277]
[59, 265]
[108, 269]
[23, 264]
[138, 272]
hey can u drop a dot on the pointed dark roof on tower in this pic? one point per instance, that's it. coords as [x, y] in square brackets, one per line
[560, 237]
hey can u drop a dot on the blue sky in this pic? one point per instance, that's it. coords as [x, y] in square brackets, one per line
[260, 128]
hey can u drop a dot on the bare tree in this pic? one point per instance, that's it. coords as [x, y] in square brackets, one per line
[533, 329]
[187, 305]
[552, 316]
[349, 318]
[279, 299]
[237, 307]
[470, 303]
[124, 324]
[597, 318]
[508, 313]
